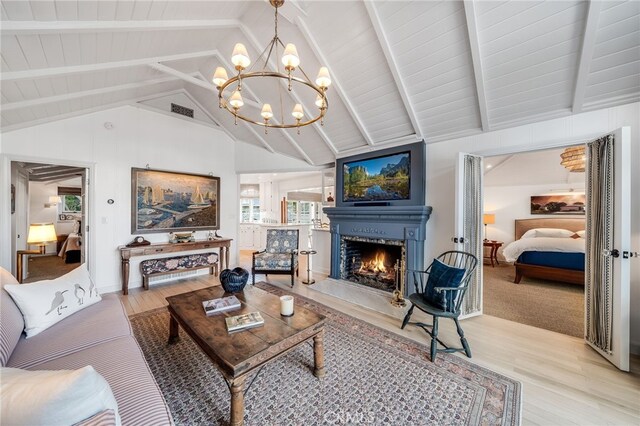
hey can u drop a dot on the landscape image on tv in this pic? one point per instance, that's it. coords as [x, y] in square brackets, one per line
[377, 179]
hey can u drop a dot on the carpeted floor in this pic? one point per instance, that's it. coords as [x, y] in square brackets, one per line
[545, 304]
[373, 377]
[47, 268]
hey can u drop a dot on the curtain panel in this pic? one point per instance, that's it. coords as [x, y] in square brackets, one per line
[472, 188]
[599, 264]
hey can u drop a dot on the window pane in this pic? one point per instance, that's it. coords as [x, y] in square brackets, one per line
[71, 204]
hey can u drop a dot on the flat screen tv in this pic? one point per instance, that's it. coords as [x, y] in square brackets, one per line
[383, 178]
[388, 177]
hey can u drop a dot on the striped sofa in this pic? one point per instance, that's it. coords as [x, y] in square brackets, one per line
[99, 335]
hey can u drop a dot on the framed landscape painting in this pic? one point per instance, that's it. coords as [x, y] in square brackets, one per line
[573, 204]
[163, 201]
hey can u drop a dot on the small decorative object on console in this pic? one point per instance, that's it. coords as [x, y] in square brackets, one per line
[138, 241]
[243, 322]
[222, 304]
[181, 237]
[234, 280]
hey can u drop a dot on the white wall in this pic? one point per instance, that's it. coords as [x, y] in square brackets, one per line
[139, 137]
[513, 202]
[442, 156]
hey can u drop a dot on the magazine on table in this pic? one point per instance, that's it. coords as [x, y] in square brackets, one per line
[245, 321]
[223, 304]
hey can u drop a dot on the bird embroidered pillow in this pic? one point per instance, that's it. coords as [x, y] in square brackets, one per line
[45, 303]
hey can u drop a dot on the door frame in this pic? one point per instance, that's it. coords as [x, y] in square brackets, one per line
[519, 149]
[5, 200]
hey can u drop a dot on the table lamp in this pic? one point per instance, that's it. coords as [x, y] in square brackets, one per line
[40, 234]
[488, 219]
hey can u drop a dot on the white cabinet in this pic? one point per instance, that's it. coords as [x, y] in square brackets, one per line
[249, 237]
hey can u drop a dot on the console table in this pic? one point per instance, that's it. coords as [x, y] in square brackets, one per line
[127, 253]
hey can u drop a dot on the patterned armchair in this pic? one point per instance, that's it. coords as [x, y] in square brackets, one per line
[280, 256]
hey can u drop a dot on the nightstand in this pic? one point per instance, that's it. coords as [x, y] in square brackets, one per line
[493, 254]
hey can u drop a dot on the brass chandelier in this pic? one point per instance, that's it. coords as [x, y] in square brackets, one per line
[230, 89]
[574, 158]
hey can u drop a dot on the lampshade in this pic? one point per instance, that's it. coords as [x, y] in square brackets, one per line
[489, 219]
[54, 199]
[41, 233]
[323, 80]
[290, 57]
[266, 113]
[220, 76]
[240, 57]
[574, 158]
[236, 100]
[297, 113]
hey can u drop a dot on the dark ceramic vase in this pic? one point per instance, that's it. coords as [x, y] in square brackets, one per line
[234, 280]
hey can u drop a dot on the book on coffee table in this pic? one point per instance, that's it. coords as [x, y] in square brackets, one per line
[243, 322]
[222, 304]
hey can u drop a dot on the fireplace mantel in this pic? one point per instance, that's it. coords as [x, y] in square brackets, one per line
[406, 223]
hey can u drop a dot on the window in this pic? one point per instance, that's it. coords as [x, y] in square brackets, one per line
[249, 210]
[301, 211]
[71, 204]
[249, 203]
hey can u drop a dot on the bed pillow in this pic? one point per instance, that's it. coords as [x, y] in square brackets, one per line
[57, 397]
[547, 233]
[47, 302]
[582, 234]
[442, 275]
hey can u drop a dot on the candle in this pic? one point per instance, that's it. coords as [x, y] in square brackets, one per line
[286, 306]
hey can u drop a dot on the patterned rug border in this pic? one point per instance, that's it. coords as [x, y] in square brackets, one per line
[516, 397]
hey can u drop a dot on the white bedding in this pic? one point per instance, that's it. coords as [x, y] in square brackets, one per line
[566, 245]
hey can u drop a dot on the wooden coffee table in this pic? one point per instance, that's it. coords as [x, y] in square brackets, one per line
[239, 354]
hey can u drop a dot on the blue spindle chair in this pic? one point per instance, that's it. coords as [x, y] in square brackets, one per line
[440, 291]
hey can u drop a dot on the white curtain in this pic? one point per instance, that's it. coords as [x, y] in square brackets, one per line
[599, 263]
[472, 188]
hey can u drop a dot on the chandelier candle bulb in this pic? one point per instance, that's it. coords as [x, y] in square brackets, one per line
[220, 77]
[240, 57]
[320, 102]
[323, 80]
[266, 112]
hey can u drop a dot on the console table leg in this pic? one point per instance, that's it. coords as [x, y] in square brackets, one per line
[318, 355]
[237, 401]
[125, 276]
[174, 330]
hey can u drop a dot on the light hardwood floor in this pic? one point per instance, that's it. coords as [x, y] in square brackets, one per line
[564, 381]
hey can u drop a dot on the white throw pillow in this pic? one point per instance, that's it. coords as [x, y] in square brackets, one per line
[45, 303]
[547, 233]
[58, 397]
[582, 234]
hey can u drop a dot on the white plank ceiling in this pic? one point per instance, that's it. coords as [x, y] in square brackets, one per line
[401, 70]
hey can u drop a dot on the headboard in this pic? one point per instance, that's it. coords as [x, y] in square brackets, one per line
[572, 224]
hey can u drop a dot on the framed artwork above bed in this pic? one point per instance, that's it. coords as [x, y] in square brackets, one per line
[573, 204]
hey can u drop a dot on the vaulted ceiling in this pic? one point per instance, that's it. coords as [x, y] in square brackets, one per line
[401, 70]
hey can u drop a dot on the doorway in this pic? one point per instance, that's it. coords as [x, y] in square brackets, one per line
[534, 217]
[49, 195]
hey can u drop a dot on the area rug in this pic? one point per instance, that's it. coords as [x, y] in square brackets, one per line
[373, 377]
[540, 303]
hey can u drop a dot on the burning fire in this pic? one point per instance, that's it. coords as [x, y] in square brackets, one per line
[376, 264]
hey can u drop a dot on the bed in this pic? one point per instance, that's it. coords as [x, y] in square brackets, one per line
[71, 248]
[555, 259]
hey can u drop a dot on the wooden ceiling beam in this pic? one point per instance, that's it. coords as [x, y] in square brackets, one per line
[476, 59]
[586, 55]
[79, 27]
[374, 17]
[101, 66]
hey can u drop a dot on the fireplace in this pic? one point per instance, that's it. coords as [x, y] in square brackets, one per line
[371, 262]
[359, 233]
